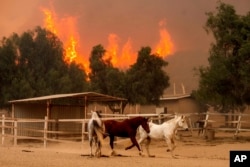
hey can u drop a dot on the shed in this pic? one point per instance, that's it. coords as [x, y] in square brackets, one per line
[178, 103]
[58, 106]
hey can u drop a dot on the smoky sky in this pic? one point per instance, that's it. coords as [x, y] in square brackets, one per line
[136, 20]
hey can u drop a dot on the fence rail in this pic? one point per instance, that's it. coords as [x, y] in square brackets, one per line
[11, 127]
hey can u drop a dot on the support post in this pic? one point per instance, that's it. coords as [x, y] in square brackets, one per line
[15, 132]
[45, 135]
[3, 128]
[191, 126]
[12, 116]
[85, 107]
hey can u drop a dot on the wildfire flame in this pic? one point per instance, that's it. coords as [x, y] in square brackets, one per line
[127, 57]
[49, 20]
[165, 46]
[123, 58]
[112, 49]
[66, 30]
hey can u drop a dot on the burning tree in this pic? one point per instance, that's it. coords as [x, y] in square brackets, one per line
[33, 65]
[143, 83]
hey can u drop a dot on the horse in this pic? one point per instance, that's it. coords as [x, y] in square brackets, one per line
[126, 128]
[95, 129]
[166, 130]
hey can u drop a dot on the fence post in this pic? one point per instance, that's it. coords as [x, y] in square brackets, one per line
[3, 128]
[205, 123]
[238, 126]
[15, 132]
[190, 125]
[45, 132]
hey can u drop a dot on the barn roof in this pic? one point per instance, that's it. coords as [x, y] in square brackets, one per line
[90, 97]
[175, 97]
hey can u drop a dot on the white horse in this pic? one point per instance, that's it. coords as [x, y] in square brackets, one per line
[95, 131]
[165, 131]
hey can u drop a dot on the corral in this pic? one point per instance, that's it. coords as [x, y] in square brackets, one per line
[192, 150]
[64, 148]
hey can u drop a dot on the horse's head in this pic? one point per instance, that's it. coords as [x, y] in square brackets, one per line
[144, 124]
[96, 114]
[182, 122]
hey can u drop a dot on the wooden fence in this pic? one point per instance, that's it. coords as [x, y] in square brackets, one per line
[11, 127]
[236, 123]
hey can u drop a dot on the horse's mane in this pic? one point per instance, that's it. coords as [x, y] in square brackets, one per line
[96, 114]
[173, 119]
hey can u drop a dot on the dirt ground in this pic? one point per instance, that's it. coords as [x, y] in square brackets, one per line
[191, 150]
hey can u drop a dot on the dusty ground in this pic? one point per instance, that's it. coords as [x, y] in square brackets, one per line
[191, 151]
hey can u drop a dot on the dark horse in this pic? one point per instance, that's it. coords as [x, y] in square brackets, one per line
[126, 128]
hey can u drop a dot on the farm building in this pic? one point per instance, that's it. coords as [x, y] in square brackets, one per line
[55, 107]
[173, 104]
[179, 103]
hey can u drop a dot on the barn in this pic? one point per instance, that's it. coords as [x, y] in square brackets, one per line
[171, 104]
[58, 106]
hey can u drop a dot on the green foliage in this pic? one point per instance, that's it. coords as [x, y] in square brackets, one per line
[32, 65]
[143, 83]
[225, 83]
[104, 78]
[146, 79]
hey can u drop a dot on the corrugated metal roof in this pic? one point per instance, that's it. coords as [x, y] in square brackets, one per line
[175, 97]
[91, 96]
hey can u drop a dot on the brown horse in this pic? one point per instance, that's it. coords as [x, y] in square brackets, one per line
[126, 128]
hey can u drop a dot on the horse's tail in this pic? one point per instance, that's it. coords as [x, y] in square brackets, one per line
[99, 132]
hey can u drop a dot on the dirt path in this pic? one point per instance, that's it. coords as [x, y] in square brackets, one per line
[190, 151]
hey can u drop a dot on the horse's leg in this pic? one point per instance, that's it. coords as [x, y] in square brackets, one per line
[140, 141]
[173, 143]
[169, 143]
[148, 141]
[111, 143]
[91, 145]
[98, 149]
[134, 143]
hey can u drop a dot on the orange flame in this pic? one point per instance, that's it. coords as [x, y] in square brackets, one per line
[128, 57]
[112, 49]
[119, 59]
[66, 30]
[165, 46]
[49, 20]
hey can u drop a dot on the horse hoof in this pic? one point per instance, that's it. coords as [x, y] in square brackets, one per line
[113, 153]
[175, 157]
[141, 154]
